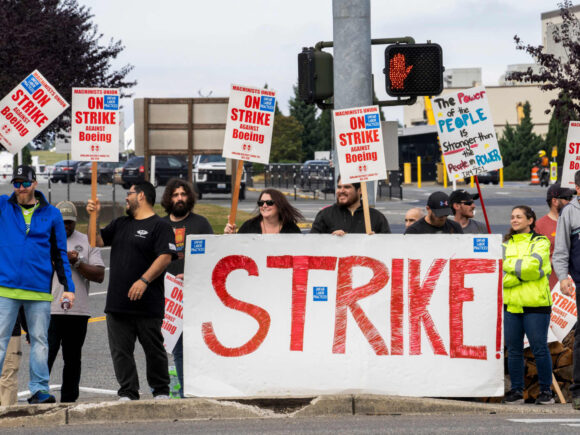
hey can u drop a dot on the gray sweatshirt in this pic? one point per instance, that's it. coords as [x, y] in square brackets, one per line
[566, 257]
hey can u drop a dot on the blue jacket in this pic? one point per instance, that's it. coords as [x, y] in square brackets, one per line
[27, 261]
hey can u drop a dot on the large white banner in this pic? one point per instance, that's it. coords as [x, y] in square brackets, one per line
[95, 124]
[249, 124]
[466, 133]
[295, 315]
[359, 139]
[27, 110]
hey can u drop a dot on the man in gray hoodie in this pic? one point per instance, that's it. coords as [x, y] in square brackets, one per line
[566, 262]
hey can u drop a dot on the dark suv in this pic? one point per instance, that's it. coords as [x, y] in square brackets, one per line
[105, 172]
[64, 171]
[166, 167]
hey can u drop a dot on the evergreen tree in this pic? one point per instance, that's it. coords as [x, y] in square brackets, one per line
[286, 139]
[305, 114]
[325, 130]
[558, 128]
[519, 147]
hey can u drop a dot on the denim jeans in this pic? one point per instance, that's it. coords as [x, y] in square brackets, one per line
[535, 327]
[178, 359]
[38, 318]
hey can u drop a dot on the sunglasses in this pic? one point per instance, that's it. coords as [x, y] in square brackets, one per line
[25, 184]
[467, 202]
[268, 203]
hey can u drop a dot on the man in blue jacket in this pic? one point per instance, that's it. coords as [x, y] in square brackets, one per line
[32, 245]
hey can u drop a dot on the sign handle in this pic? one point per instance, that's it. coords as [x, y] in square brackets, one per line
[366, 211]
[557, 388]
[482, 204]
[93, 216]
[236, 192]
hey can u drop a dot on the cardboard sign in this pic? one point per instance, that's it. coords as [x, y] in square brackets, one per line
[297, 315]
[564, 313]
[249, 124]
[466, 133]
[173, 322]
[359, 146]
[572, 156]
[95, 124]
[27, 110]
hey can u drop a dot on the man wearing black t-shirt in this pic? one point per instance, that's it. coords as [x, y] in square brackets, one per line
[436, 221]
[178, 201]
[142, 246]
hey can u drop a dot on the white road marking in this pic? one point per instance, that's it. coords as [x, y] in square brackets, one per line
[545, 420]
[98, 293]
[85, 389]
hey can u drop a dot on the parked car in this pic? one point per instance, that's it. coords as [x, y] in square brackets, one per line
[166, 167]
[209, 176]
[489, 177]
[64, 171]
[105, 172]
[314, 168]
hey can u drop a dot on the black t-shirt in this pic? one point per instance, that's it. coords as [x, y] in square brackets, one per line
[423, 227]
[254, 226]
[192, 224]
[135, 245]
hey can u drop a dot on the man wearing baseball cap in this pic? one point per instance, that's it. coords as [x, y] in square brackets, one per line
[68, 326]
[557, 198]
[33, 247]
[463, 209]
[436, 221]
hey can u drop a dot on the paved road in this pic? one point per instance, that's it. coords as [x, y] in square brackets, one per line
[97, 367]
[392, 424]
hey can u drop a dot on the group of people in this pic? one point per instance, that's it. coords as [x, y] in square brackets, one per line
[47, 266]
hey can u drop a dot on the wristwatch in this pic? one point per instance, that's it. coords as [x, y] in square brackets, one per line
[80, 259]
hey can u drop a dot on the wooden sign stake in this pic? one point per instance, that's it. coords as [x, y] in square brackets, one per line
[236, 192]
[93, 216]
[366, 211]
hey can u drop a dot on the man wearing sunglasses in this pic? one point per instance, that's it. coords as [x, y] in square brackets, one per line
[34, 244]
[463, 208]
[557, 198]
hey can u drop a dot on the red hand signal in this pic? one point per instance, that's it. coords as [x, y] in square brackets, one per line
[398, 72]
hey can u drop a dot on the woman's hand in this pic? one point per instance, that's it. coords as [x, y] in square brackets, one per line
[230, 229]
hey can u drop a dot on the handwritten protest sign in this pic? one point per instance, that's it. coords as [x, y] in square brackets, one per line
[572, 155]
[27, 110]
[95, 124]
[564, 313]
[173, 322]
[466, 133]
[249, 124]
[359, 141]
[284, 315]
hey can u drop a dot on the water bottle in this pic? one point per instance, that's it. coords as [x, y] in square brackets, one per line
[174, 385]
[65, 305]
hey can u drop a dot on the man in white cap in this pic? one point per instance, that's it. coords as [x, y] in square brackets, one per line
[68, 326]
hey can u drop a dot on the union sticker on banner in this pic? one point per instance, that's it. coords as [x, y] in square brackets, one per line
[95, 124]
[359, 141]
[466, 133]
[27, 110]
[572, 157]
[250, 123]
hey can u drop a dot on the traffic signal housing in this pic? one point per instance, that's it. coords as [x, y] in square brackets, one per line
[414, 70]
[315, 75]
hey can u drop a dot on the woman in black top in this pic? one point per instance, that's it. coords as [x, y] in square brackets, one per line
[276, 216]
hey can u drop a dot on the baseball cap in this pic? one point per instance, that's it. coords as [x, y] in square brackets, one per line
[460, 195]
[68, 211]
[24, 173]
[557, 191]
[439, 203]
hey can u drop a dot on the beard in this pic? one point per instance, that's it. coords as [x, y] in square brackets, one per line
[348, 203]
[130, 210]
[180, 208]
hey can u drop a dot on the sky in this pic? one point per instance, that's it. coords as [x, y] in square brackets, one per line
[192, 48]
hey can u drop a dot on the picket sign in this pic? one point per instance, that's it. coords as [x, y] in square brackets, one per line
[572, 155]
[360, 150]
[173, 321]
[299, 315]
[249, 127]
[95, 134]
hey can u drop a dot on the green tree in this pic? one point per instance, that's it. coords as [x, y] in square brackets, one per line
[26, 157]
[324, 122]
[286, 139]
[558, 127]
[519, 147]
[305, 114]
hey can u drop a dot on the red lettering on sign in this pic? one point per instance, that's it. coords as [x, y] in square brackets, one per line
[419, 297]
[219, 275]
[347, 297]
[458, 294]
[252, 102]
[300, 265]
[397, 306]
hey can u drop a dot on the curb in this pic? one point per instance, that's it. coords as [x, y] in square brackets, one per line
[205, 409]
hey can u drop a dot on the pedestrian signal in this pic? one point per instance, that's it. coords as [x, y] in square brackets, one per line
[315, 70]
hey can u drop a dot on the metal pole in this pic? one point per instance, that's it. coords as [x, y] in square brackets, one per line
[352, 59]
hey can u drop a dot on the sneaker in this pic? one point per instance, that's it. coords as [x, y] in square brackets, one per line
[41, 396]
[124, 399]
[161, 397]
[545, 398]
[514, 398]
[576, 403]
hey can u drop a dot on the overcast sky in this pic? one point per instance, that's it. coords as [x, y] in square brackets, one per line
[181, 48]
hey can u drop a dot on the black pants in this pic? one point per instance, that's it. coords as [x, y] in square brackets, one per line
[69, 332]
[123, 330]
